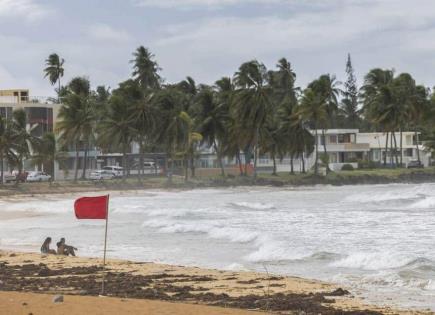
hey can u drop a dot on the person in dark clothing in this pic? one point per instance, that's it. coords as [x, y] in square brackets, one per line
[45, 248]
[63, 249]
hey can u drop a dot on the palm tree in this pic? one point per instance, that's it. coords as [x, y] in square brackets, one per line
[379, 103]
[8, 144]
[145, 69]
[326, 87]
[314, 109]
[251, 104]
[77, 120]
[192, 140]
[284, 100]
[25, 140]
[117, 126]
[211, 116]
[54, 70]
[47, 153]
[172, 129]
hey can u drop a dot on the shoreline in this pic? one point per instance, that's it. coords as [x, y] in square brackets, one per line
[81, 276]
[284, 180]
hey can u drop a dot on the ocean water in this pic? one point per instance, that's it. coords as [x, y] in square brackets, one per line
[377, 240]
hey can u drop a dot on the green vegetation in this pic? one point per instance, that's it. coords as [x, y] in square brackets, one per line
[256, 111]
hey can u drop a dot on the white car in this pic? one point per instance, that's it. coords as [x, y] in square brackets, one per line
[38, 177]
[116, 170]
[151, 168]
[101, 175]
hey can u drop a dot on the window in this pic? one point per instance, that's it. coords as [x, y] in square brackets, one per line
[333, 139]
[376, 154]
[408, 152]
[344, 138]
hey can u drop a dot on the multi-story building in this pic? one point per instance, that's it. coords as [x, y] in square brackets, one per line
[41, 112]
[343, 146]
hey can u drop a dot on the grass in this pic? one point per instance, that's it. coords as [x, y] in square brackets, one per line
[364, 176]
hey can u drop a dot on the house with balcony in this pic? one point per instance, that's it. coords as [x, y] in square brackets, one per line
[342, 147]
[412, 148]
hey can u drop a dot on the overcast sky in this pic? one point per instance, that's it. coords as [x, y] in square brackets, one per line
[208, 39]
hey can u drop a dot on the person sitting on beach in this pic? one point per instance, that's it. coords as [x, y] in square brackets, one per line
[45, 248]
[63, 249]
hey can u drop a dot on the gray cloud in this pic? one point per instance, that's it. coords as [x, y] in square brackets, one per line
[27, 9]
[315, 36]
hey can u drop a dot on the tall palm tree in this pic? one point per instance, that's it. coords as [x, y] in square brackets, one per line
[251, 104]
[283, 99]
[172, 128]
[326, 87]
[54, 71]
[145, 69]
[313, 108]
[379, 105]
[8, 144]
[211, 116]
[77, 120]
[118, 127]
[25, 139]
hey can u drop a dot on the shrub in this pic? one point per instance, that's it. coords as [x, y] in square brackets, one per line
[347, 167]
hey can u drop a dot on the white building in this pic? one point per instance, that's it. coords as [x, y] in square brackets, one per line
[343, 146]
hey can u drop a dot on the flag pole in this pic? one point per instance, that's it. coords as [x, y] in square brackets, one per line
[105, 246]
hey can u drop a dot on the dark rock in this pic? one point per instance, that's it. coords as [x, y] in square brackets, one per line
[58, 298]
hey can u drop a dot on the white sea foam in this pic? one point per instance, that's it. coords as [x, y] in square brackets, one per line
[373, 238]
[426, 203]
[254, 205]
[212, 229]
[372, 261]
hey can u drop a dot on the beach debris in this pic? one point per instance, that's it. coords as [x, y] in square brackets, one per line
[167, 287]
[58, 298]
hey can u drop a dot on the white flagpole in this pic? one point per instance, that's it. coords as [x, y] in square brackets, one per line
[105, 246]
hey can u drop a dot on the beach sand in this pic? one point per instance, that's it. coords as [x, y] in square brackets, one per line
[132, 285]
[12, 303]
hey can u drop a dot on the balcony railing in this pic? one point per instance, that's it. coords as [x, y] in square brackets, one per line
[28, 99]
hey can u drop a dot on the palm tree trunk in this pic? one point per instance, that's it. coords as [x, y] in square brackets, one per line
[85, 161]
[256, 153]
[141, 160]
[395, 149]
[391, 149]
[401, 147]
[167, 171]
[416, 145]
[386, 150]
[76, 166]
[239, 162]
[324, 151]
[316, 157]
[221, 164]
[58, 91]
[274, 164]
[303, 163]
[124, 162]
[192, 163]
[292, 170]
[2, 168]
[186, 168]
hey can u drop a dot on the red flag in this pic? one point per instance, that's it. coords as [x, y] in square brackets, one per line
[91, 207]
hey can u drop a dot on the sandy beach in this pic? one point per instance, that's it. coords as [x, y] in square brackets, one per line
[149, 288]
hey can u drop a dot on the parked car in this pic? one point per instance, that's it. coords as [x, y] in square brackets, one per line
[38, 177]
[151, 168]
[101, 175]
[415, 164]
[116, 170]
